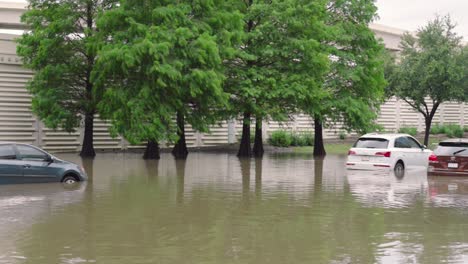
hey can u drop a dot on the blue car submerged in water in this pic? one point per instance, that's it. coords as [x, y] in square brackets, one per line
[22, 163]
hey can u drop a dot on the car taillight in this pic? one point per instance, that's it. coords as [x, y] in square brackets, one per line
[386, 154]
[433, 158]
[351, 153]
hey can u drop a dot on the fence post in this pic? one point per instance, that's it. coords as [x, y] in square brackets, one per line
[462, 114]
[232, 131]
[441, 114]
[398, 114]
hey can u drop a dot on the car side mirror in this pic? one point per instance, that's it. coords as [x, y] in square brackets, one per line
[423, 147]
[49, 159]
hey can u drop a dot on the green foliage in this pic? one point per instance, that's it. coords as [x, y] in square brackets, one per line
[450, 130]
[280, 139]
[413, 131]
[342, 135]
[437, 129]
[281, 59]
[353, 88]
[459, 132]
[61, 50]
[284, 138]
[164, 57]
[432, 66]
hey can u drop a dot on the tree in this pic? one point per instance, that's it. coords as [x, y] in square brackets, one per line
[164, 60]
[431, 69]
[166, 57]
[280, 60]
[354, 86]
[61, 49]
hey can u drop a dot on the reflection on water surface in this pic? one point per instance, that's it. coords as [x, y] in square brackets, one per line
[216, 208]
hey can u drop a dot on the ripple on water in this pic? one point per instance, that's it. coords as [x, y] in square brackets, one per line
[216, 208]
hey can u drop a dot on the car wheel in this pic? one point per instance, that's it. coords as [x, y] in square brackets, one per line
[399, 169]
[69, 179]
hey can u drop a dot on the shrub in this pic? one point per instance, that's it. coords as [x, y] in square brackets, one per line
[280, 139]
[437, 129]
[287, 139]
[342, 135]
[308, 138]
[454, 131]
[451, 130]
[303, 139]
[408, 130]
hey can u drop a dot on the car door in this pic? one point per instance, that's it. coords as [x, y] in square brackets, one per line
[420, 156]
[406, 152]
[36, 168]
[11, 169]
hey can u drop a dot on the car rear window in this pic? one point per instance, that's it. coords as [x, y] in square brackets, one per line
[451, 149]
[379, 143]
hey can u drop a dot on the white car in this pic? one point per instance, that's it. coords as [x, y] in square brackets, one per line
[388, 151]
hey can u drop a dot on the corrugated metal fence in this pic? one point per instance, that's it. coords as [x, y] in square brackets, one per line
[18, 123]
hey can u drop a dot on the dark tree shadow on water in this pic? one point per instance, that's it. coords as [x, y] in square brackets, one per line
[180, 165]
[318, 175]
[152, 170]
[245, 166]
[258, 177]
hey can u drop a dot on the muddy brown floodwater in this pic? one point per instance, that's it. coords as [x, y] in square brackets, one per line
[216, 208]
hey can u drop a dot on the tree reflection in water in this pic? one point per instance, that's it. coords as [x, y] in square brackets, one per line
[201, 211]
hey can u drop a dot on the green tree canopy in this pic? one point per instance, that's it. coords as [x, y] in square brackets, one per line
[61, 49]
[280, 61]
[354, 86]
[431, 69]
[163, 58]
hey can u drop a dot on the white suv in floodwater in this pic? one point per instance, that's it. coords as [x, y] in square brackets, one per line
[388, 151]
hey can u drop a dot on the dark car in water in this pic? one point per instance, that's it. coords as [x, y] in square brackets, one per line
[450, 158]
[23, 163]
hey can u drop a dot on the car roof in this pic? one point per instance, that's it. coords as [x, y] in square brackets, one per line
[385, 136]
[16, 143]
[456, 140]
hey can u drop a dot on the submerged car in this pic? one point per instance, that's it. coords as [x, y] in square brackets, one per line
[23, 163]
[388, 151]
[450, 158]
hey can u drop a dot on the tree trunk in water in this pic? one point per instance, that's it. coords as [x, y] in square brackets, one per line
[319, 148]
[428, 121]
[152, 151]
[318, 175]
[180, 150]
[258, 144]
[258, 177]
[88, 149]
[244, 148]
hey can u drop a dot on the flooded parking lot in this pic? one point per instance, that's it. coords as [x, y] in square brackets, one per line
[216, 208]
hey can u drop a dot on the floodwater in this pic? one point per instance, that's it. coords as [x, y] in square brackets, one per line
[216, 208]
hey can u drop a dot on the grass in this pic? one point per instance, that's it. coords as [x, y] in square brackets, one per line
[332, 148]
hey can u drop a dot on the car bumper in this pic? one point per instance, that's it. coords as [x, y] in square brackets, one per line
[368, 166]
[436, 172]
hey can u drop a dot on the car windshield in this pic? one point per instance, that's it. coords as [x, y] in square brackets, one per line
[452, 149]
[378, 143]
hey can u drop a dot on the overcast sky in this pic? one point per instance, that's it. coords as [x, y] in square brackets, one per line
[412, 14]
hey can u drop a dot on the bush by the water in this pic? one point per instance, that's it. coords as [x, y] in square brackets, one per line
[451, 130]
[408, 130]
[284, 139]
